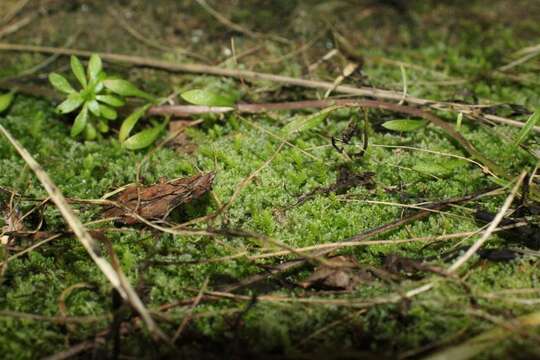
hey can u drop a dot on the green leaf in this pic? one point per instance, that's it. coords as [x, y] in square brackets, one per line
[102, 126]
[80, 122]
[459, 120]
[94, 67]
[526, 130]
[404, 125]
[78, 70]
[71, 103]
[89, 162]
[110, 100]
[125, 88]
[439, 168]
[36, 124]
[60, 83]
[107, 112]
[207, 97]
[6, 100]
[90, 132]
[98, 83]
[94, 107]
[430, 168]
[303, 123]
[143, 139]
[129, 123]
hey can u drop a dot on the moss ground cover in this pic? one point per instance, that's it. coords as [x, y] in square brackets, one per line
[448, 52]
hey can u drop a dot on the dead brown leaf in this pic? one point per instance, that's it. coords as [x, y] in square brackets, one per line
[344, 274]
[396, 264]
[181, 142]
[12, 220]
[346, 180]
[158, 200]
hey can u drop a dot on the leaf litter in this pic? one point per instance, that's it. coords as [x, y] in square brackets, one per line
[157, 201]
[181, 142]
[346, 180]
[344, 276]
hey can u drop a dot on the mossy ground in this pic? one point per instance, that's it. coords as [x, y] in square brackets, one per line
[459, 40]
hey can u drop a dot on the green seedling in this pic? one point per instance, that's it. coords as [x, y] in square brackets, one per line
[6, 100]
[97, 101]
[528, 128]
[404, 125]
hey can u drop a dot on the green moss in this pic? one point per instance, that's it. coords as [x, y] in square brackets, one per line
[233, 149]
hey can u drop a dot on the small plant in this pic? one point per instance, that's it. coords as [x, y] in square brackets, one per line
[528, 128]
[438, 168]
[6, 100]
[208, 98]
[98, 99]
[303, 123]
[404, 125]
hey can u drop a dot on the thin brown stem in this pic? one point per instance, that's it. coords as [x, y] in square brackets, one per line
[186, 110]
[298, 263]
[251, 75]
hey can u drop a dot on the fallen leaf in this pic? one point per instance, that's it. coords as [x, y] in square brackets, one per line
[344, 274]
[502, 254]
[396, 264]
[178, 125]
[528, 235]
[181, 142]
[13, 222]
[158, 200]
[346, 180]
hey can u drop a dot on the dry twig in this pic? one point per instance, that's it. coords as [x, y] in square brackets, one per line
[492, 226]
[473, 111]
[91, 246]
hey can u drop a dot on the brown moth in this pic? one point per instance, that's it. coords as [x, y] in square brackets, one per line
[158, 200]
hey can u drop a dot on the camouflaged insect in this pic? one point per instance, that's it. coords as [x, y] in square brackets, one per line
[158, 200]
